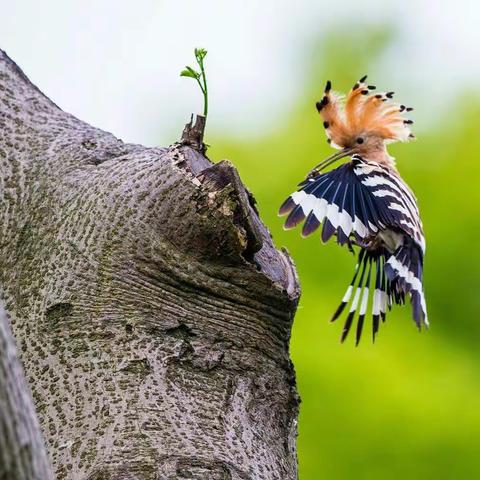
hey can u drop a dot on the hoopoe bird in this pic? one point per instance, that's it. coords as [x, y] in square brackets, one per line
[365, 203]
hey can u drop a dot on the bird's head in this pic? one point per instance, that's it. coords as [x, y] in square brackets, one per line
[363, 122]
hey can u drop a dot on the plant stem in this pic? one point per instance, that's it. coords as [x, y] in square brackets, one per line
[201, 86]
[204, 90]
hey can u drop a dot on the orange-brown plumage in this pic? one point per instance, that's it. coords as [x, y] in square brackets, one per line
[364, 121]
[331, 111]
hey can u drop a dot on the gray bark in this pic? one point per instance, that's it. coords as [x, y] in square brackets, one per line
[22, 452]
[151, 308]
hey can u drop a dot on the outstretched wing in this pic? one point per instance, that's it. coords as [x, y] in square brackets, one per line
[362, 199]
[357, 199]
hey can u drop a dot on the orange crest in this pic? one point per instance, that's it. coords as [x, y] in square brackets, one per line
[363, 113]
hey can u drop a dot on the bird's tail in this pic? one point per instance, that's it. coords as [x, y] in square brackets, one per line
[370, 267]
[395, 275]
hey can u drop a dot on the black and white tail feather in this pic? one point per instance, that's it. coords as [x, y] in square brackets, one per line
[365, 204]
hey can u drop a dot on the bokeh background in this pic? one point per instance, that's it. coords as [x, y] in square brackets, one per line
[408, 406]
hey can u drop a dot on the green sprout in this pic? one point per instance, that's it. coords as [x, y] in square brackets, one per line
[200, 77]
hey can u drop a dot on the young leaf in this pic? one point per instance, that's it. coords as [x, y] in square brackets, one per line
[189, 72]
[200, 53]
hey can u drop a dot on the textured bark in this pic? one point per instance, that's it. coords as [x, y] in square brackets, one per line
[22, 453]
[151, 308]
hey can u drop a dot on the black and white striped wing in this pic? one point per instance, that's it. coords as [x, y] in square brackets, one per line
[357, 199]
[390, 192]
[363, 200]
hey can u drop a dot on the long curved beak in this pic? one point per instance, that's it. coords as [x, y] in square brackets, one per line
[345, 152]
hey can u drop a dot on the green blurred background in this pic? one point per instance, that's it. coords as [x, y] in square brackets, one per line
[407, 407]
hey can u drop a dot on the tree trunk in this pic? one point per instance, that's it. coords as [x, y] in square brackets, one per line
[151, 309]
[22, 453]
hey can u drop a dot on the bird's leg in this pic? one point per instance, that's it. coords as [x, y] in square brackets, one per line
[369, 244]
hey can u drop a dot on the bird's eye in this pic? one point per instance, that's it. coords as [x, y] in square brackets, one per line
[359, 140]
